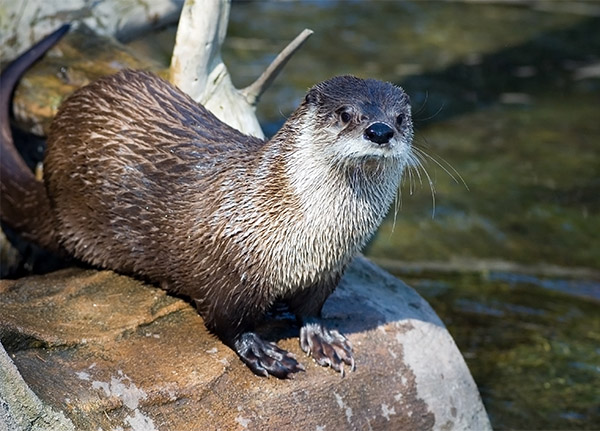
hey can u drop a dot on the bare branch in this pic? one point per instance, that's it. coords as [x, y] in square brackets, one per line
[197, 52]
[253, 92]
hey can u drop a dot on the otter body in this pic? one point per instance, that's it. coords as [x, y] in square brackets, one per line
[143, 181]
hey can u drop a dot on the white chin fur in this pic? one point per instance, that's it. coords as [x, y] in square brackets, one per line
[362, 149]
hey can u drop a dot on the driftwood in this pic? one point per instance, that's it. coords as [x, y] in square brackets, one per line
[198, 69]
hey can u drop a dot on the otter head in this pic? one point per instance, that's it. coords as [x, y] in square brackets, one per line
[359, 121]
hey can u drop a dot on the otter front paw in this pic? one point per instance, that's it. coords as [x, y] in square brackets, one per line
[327, 347]
[265, 358]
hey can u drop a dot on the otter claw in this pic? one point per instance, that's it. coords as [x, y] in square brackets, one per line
[265, 358]
[327, 347]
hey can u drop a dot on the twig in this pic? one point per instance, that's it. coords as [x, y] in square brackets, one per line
[253, 92]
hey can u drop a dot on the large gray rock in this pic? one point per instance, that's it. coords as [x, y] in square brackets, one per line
[113, 353]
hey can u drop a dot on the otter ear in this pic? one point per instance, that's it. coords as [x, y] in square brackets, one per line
[313, 97]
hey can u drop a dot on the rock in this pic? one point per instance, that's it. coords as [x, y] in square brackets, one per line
[20, 408]
[113, 353]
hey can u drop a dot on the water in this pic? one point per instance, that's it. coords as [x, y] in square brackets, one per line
[508, 97]
[533, 351]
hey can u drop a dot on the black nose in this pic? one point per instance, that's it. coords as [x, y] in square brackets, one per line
[379, 133]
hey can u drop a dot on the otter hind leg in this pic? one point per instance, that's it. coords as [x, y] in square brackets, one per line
[265, 358]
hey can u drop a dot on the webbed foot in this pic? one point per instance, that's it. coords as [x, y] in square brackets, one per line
[265, 358]
[327, 347]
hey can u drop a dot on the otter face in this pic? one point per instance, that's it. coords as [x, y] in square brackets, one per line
[364, 119]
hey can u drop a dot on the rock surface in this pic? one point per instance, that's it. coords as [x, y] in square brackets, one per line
[113, 353]
[20, 408]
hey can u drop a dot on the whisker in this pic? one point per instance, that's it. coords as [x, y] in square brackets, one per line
[451, 171]
[422, 107]
[411, 180]
[414, 158]
[395, 209]
[431, 185]
[435, 114]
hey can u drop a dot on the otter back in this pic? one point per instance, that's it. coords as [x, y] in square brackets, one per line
[144, 181]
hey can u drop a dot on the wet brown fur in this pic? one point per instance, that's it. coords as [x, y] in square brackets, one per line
[142, 180]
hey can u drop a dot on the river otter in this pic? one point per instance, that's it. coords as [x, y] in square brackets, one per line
[142, 180]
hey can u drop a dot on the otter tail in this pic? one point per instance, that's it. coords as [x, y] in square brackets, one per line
[24, 204]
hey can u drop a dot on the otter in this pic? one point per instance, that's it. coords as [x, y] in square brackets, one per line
[140, 179]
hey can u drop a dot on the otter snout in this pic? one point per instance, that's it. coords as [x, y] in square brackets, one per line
[379, 133]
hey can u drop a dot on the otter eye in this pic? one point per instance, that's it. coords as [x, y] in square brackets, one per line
[399, 119]
[345, 116]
